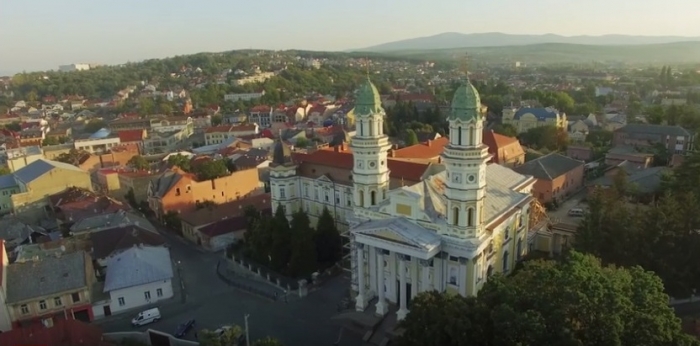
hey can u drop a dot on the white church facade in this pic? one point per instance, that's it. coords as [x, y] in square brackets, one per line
[464, 220]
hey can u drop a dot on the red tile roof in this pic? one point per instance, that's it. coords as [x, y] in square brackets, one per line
[496, 140]
[343, 159]
[127, 136]
[231, 128]
[261, 109]
[426, 150]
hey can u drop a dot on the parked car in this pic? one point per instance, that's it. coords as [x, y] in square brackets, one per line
[146, 317]
[183, 328]
[576, 212]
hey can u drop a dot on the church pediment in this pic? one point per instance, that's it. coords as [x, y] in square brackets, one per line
[399, 231]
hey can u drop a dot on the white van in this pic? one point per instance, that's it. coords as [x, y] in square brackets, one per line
[576, 212]
[146, 317]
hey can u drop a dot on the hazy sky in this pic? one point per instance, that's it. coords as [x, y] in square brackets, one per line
[41, 34]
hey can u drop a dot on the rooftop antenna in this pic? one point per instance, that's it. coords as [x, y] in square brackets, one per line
[465, 66]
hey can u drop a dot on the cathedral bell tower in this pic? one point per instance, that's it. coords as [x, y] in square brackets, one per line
[465, 159]
[370, 147]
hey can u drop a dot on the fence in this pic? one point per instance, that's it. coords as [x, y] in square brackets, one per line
[230, 278]
[273, 277]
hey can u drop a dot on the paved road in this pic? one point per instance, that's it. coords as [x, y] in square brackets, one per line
[575, 201]
[212, 303]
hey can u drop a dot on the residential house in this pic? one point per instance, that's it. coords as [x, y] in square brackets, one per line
[527, 118]
[211, 228]
[46, 290]
[17, 158]
[137, 277]
[181, 192]
[170, 124]
[101, 222]
[99, 142]
[557, 176]
[16, 232]
[75, 204]
[627, 153]
[106, 181]
[51, 152]
[8, 187]
[675, 139]
[136, 181]
[132, 136]
[60, 133]
[579, 152]
[5, 320]
[130, 123]
[218, 134]
[115, 157]
[60, 332]
[31, 137]
[110, 242]
[261, 115]
[43, 178]
[165, 142]
[235, 119]
[641, 180]
[578, 131]
[504, 150]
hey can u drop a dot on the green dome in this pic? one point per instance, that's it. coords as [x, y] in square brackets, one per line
[367, 99]
[466, 104]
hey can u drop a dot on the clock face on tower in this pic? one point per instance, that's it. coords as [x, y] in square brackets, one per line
[471, 178]
[372, 164]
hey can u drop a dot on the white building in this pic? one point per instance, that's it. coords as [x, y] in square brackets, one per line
[74, 67]
[138, 276]
[243, 96]
[5, 321]
[464, 220]
[219, 134]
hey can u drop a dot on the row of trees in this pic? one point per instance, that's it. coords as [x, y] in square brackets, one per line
[662, 236]
[293, 248]
[233, 336]
[206, 170]
[576, 301]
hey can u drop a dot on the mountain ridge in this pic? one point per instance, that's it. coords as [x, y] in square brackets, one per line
[455, 40]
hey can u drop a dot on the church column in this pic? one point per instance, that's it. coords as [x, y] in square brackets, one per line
[403, 310]
[360, 302]
[381, 306]
[463, 280]
[372, 271]
[425, 281]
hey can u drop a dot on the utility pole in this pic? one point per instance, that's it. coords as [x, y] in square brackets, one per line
[247, 334]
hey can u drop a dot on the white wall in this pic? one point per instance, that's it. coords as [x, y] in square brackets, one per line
[134, 296]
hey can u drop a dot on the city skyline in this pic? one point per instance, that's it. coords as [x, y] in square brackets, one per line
[80, 31]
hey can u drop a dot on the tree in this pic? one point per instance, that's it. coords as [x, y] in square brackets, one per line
[146, 106]
[50, 141]
[506, 130]
[303, 258]
[94, 125]
[268, 341]
[181, 161]
[206, 204]
[5, 170]
[73, 157]
[217, 120]
[411, 137]
[302, 143]
[280, 250]
[230, 336]
[138, 162]
[172, 220]
[549, 137]
[211, 170]
[328, 241]
[576, 301]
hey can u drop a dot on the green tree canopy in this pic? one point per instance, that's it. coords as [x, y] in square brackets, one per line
[94, 125]
[411, 137]
[138, 162]
[281, 247]
[4, 170]
[546, 137]
[268, 341]
[211, 169]
[181, 161]
[328, 241]
[575, 302]
[506, 130]
[303, 258]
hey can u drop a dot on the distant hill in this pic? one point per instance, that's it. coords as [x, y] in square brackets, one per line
[681, 52]
[451, 40]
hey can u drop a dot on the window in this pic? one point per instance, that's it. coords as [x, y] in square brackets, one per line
[453, 276]
[57, 301]
[326, 196]
[459, 135]
[362, 198]
[121, 301]
[147, 295]
[373, 197]
[316, 194]
[472, 135]
[306, 190]
[159, 292]
[455, 216]
[470, 217]
[505, 261]
[24, 308]
[177, 191]
[519, 249]
[42, 305]
[337, 198]
[76, 297]
[282, 193]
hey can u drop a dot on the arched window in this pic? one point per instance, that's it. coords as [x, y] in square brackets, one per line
[520, 249]
[472, 135]
[373, 197]
[505, 261]
[459, 135]
[470, 217]
[362, 128]
[455, 216]
[361, 196]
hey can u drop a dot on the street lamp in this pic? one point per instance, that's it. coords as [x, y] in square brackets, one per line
[247, 334]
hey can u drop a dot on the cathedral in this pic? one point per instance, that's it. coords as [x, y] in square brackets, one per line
[449, 230]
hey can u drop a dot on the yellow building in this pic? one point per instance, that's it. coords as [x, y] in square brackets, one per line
[462, 222]
[43, 178]
[524, 119]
